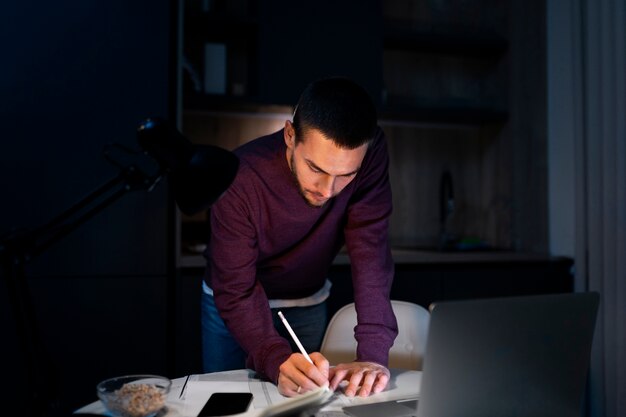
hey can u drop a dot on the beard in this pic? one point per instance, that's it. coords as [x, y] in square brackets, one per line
[301, 190]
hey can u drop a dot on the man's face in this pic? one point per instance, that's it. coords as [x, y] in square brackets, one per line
[320, 168]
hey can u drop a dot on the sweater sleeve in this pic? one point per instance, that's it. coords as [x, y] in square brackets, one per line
[372, 267]
[239, 297]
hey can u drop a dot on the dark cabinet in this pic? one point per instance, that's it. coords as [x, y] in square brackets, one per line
[425, 283]
[220, 49]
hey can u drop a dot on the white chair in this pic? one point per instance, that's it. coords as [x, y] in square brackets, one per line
[407, 352]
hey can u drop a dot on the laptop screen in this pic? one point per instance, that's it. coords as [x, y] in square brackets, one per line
[516, 356]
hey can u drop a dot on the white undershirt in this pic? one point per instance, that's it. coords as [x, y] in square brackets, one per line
[320, 296]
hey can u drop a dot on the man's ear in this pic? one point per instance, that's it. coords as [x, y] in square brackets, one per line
[290, 135]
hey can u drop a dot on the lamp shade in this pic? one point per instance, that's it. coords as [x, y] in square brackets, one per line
[199, 173]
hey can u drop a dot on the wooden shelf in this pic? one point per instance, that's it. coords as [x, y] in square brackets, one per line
[455, 41]
[442, 74]
[440, 112]
[398, 109]
[231, 104]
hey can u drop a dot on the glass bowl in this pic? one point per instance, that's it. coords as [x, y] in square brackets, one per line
[134, 395]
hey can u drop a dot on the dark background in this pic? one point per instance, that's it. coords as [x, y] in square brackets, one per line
[78, 75]
[75, 76]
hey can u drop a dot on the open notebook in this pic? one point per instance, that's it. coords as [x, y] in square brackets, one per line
[516, 356]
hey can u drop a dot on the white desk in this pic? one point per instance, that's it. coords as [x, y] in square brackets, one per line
[403, 384]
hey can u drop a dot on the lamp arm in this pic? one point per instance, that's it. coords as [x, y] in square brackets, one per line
[25, 245]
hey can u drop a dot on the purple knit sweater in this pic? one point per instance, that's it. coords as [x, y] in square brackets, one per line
[268, 243]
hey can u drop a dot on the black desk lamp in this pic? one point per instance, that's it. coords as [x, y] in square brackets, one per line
[199, 173]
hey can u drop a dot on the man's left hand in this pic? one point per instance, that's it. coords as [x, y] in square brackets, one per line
[369, 376]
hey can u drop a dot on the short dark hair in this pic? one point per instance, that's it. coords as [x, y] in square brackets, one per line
[339, 108]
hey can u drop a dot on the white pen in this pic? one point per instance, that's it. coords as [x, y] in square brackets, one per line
[294, 337]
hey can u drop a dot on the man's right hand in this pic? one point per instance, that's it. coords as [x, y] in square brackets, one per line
[298, 375]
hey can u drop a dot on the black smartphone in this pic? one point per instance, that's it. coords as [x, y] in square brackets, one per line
[226, 403]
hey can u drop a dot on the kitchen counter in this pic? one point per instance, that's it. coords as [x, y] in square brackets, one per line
[417, 256]
[420, 256]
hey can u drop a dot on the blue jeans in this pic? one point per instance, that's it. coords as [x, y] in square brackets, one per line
[220, 351]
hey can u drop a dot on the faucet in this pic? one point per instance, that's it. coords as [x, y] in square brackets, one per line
[446, 208]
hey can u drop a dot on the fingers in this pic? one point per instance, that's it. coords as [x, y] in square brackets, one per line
[381, 383]
[364, 378]
[298, 375]
[355, 381]
[337, 374]
[366, 383]
[287, 387]
[322, 364]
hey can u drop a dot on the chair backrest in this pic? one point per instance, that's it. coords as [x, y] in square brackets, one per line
[407, 352]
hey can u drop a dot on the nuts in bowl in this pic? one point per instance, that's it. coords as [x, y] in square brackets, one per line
[134, 395]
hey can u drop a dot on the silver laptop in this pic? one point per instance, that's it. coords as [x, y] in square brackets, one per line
[516, 356]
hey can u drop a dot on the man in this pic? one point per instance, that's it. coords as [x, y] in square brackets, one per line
[299, 195]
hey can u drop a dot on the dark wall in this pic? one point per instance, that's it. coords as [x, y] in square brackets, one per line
[75, 76]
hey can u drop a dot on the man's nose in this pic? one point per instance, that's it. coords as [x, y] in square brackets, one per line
[327, 186]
